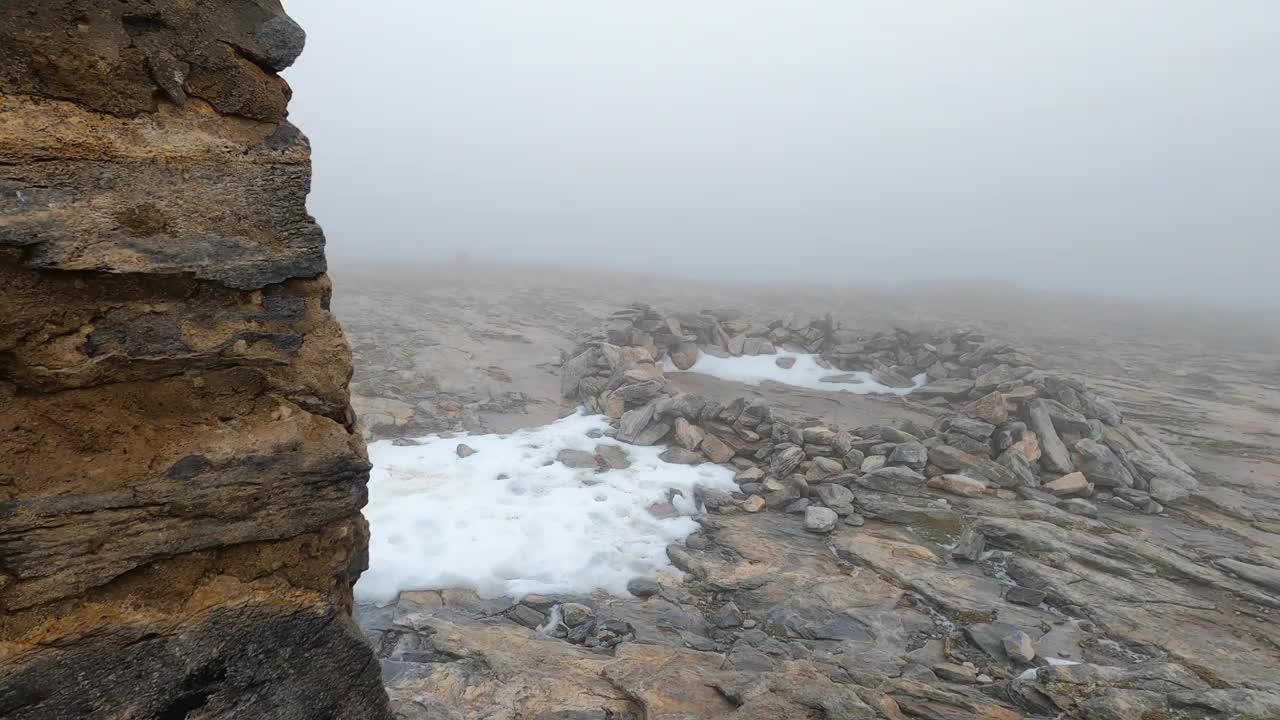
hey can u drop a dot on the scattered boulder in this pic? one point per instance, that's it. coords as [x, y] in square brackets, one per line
[613, 457]
[785, 462]
[956, 673]
[820, 519]
[1055, 457]
[950, 388]
[688, 435]
[1102, 465]
[716, 449]
[1068, 485]
[643, 587]
[958, 485]
[680, 456]
[465, 451]
[577, 459]
[1018, 646]
[911, 454]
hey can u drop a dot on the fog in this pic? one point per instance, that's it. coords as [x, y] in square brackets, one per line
[1119, 148]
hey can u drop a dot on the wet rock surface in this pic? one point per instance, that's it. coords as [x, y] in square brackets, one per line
[884, 558]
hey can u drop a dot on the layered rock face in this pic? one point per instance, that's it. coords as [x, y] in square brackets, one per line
[180, 476]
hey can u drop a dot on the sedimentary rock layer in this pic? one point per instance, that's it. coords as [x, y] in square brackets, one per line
[180, 476]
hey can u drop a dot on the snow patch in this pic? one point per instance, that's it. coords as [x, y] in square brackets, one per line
[806, 373]
[1031, 674]
[510, 520]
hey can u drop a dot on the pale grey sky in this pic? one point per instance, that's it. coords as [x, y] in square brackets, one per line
[1123, 146]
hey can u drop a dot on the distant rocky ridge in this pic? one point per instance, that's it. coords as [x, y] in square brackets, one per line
[181, 480]
[1005, 422]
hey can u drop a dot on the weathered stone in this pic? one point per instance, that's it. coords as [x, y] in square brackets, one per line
[727, 616]
[872, 463]
[912, 455]
[954, 460]
[688, 435]
[1101, 465]
[685, 355]
[1055, 457]
[1079, 506]
[820, 519]
[578, 367]
[969, 546]
[574, 614]
[1017, 463]
[836, 497]
[1024, 596]
[613, 457]
[464, 451]
[1067, 420]
[753, 504]
[716, 449]
[959, 485]
[1068, 485]
[976, 429]
[1018, 646]
[182, 469]
[783, 463]
[956, 673]
[655, 433]
[680, 456]
[643, 587]
[821, 469]
[634, 422]
[1165, 482]
[577, 458]
[989, 408]
[1002, 375]
[786, 362]
[951, 388]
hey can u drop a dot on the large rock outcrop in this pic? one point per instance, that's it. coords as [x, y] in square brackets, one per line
[180, 476]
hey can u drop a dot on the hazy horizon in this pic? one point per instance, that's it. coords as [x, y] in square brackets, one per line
[1116, 149]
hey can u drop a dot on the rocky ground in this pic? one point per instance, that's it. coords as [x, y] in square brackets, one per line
[1084, 481]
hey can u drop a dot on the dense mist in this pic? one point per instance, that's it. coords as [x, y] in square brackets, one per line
[1122, 148]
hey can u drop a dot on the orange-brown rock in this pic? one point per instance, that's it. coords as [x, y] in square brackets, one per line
[180, 475]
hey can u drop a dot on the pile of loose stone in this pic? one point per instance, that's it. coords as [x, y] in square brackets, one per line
[884, 571]
[1006, 427]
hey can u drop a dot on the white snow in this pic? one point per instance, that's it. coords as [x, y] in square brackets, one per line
[1031, 673]
[510, 520]
[806, 373]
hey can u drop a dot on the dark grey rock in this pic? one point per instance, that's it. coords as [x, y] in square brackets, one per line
[989, 637]
[1101, 466]
[527, 616]
[912, 455]
[634, 422]
[644, 587]
[976, 429]
[1024, 596]
[727, 616]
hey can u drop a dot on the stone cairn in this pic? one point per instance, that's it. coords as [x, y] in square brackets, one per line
[1006, 428]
